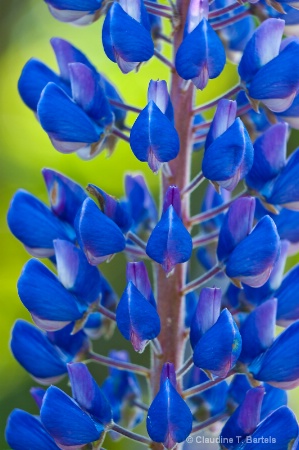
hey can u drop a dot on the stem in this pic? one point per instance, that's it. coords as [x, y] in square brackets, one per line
[205, 239]
[120, 134]
[230, 21]
[140, 405]
[207, 423]
[124, 106]
[219, 12]
[136, 251]
[121, 365]
[136, 239]
[164, 38]
[185, 367]
[129, 434]
[234, 90]
[156, 347]
[193, 184]
[189, 287]
[204, 386]
[158, 12]
[204, 216]
[156, 5]
[164, 60]
[170, 301]
[106, 312]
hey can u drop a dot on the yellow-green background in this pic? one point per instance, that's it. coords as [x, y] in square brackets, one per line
[26, 27]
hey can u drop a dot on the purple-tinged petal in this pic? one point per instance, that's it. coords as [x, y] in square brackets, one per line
[136, 318]
[98, 235]
[87, 393]
[128, 52]
[237, 389]
[78, 18]
[258, 331]
[111, 208]
[65, 421]
[201, 55]
[65, 195]
[269, 157]
[244, 419]
[50, 304]
[34, 77]
[168, 373]
[279, 430]
[229, 157]
[276, 83]
[75, 272]
[37, 395]
[76, 5]
[224, 117]
[35, 225]
[263, 46]
[279, 365]
[286, 187]
[236, 226]
[224, 342]
[170, 243]
[274, 398]
[88, 93]
[198, 10]
[26, 431]
[287, 298]
[64, 120]
[206, 314]
[33, 350]
[158, 93]
[137, 274]
[172, 198]
[153, 137]
[252, 261]
[169, 419]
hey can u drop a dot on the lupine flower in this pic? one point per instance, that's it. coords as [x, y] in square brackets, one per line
[228, 153]
[201, 55]
[153, 137]
[126, 34]
[170, 243]
[76, 12]
[169, 419]
[45, 356]
[268, 72]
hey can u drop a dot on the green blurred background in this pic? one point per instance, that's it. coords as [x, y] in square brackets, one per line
[25, 149]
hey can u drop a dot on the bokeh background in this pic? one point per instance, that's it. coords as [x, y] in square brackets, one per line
[26, 28]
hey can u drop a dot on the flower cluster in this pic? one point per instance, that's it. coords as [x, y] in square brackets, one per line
[209, 321]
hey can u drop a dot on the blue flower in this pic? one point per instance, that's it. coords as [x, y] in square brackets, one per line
[77, 12]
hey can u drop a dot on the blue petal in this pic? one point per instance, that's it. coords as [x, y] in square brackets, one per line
[269, 156]
[261, 48]
[244, 419]
[76, 5]
[211, 200]
[50, 304]
[98, 235]
[65, 421]
[170, 243]
[229, 157]
[35, 225]
[87, 93]
[236, 226]
[169, 419]
[201, 55]
[224, 342]
[137, 273]
[26, 431]
[34, 77]
[286, 187]
[258, 330]
[274, 398]
[153, 138]
[63, 120]
[88, 395]
[287, 298]
[125, 39]
[277, 80]
[137, 320]
[37, 395]
[75, 272]
[252, 261]
[224, 117]
[279, 365]
[206, 314]
[65, 195]
[33, 350]
[141, 203]
[280, 429]
[72, 345]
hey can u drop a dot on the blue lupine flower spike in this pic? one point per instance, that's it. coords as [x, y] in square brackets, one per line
[169, 419]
